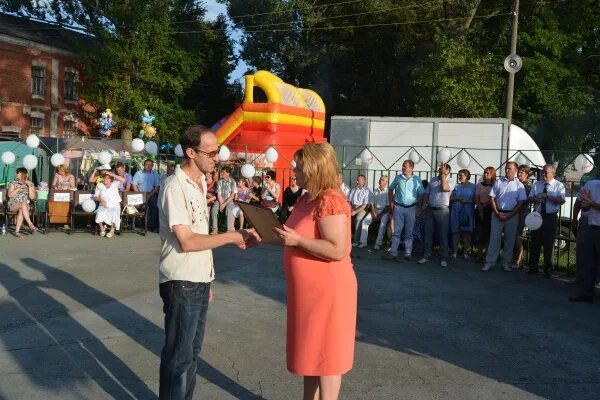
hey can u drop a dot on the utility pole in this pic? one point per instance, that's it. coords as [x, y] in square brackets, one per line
[512, 64]
[510, 90]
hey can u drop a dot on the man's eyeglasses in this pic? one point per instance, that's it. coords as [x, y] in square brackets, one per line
[211, 154]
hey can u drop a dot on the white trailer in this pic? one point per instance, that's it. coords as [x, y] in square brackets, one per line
[487, 142]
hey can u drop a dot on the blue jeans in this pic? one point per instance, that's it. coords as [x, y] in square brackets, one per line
[185, 305]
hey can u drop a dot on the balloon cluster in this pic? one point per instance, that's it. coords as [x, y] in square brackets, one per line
[148, 130]
[106, 123]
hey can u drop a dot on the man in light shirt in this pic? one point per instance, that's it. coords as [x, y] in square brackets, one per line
[148, 181]
[379, 211]
[186, 263]
[226, 191]
[360, 199]
[547, 195]
[437, 198]
[506, 198]
[404, 193]
[588, 240]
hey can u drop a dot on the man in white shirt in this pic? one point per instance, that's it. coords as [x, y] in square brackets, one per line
[360, 199]
[588, 240]
[186, 263]
[547, 195]
[506, 198]
[379, 211]
[437, 198]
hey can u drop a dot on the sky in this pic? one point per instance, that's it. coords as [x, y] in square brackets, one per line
[213, 9]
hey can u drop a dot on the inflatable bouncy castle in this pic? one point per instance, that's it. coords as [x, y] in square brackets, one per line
[276, 114]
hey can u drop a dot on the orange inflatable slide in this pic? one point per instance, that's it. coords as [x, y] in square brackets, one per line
[276, 114]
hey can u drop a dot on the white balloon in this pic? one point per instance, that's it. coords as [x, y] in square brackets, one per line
[32, 141]
[224, 153]
[57, 159]
[522, 160]
[104, 157]
[151, 148]
[88, 205]
[248, 171]
[179, 151]
[271, 155]
[414, 156]
[463, 160]
[137, 145]
[533, 220]
[584, 163]
[30, 162]
[8, 157]
[366, 157]
[444, 155]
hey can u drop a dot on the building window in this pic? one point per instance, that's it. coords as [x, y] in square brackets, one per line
[37, 80]
[70, 128]
[71, 86]
[36, 125]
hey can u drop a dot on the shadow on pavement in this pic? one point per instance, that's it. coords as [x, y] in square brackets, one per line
[40, 308]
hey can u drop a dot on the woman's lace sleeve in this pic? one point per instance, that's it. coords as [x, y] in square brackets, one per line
[333, 202]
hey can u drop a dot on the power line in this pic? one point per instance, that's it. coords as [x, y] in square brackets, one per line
[319, 19]
[365, 25]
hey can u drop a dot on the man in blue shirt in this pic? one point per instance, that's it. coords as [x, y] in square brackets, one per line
[404, 192]
[506, 198]
[148, 181]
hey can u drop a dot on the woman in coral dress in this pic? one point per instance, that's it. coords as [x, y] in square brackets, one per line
[321, 284]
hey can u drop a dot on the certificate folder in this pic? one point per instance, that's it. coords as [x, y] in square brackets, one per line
[263, 220]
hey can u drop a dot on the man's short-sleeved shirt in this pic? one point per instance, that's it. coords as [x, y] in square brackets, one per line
[407, 190]
[436, 196]
[360, 196]
[146, 181]
[380, 199]
[554, 188]
[507, 193]
[593, 216]
[182, 202]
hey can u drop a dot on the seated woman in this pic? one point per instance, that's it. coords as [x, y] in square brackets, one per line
[109, 199]
[63, 179]
[243, 192]
[271, 192]
[255, 190]
[20, 192]
[291, 194]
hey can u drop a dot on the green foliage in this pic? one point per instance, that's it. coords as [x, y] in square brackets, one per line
[143, 59]
[444, 59]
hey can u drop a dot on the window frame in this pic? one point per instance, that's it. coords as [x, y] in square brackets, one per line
[38, 82]
[71, 89]
[34, 129]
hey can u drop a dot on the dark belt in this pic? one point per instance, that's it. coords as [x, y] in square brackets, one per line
[504, 211]
[402, 205]
[438, 208]
[594, 227]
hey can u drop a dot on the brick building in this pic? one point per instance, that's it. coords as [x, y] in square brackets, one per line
[39, 79]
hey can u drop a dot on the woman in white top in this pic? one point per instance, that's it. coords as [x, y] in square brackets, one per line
[271, 192]
[109, 199]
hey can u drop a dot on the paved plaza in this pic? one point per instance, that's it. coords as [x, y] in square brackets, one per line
[81, 319]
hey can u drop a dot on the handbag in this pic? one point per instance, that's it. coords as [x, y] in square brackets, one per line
[269, 203]
[129, 210]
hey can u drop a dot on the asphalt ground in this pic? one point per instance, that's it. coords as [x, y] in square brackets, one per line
[81, 318]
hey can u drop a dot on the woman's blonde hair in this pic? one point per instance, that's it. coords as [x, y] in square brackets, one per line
[63, 168]
[319, 167]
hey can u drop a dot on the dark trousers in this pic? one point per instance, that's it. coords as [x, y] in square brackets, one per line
[153, 212]
[588, 257]
[185, 305]
[544, 236]
[437, 220]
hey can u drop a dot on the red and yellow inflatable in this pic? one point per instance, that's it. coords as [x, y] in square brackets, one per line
[289, 118]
